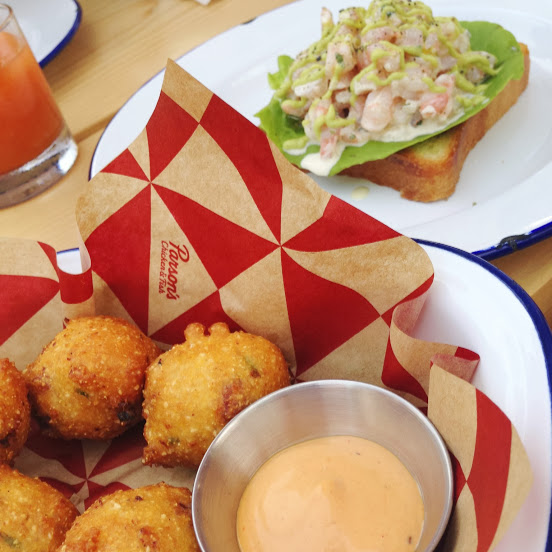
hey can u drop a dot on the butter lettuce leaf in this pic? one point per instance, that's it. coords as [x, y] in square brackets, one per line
[490, 37]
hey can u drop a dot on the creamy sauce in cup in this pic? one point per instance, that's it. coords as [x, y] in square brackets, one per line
[337, 493]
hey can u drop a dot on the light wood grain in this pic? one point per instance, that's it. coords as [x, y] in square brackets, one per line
[118, 47]
[532, 269]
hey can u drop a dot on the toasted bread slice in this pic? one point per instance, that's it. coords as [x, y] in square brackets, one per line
[429, 170]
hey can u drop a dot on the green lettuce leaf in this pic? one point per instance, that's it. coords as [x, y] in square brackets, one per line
[490, 37]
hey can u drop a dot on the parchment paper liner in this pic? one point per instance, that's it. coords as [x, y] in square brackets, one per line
[202, 219]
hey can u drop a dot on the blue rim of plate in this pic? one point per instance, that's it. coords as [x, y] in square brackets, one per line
[539, 321]
[66, 39]
[511, 244]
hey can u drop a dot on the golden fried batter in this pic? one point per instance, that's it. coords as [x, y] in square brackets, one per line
[34, 516]
[15, 412]
[157, 518]
[195, 388]
[87, 383]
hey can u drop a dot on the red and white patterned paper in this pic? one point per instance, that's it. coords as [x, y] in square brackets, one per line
[201, 219]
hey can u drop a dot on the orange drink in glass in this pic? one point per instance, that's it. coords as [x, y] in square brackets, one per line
[36, 148]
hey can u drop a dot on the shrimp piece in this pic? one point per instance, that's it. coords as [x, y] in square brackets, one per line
[393, 18]
[378, 34]
[355, 134]
[349, 14]
[371, 40]
[294, 108]
[297, 73]
[328, 143]
[462, 42]
[356, 108]
[364, 56]
[426, 68]
[343, 82]
[449, 30]
[342, 102]
[411, 36]
[317, 109]
[377, 112]
[326, 19]
[344, 28]
[446, 63]
[312, 89]
[347, 33]
[404, 113]
[474, 74]
[434, 45]
[340, 54]
[434, 103]
[411, 86]
[326, 136]
[432, 41]
[364, 84]
[389, 62]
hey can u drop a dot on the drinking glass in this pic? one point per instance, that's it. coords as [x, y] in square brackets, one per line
[36, 147]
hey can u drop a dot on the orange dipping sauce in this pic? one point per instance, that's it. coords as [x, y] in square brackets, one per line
[339, 493]
[29, 117]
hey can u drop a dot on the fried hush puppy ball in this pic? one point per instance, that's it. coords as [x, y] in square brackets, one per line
[87, 383]
[196, 387]
[155, 518]
[15, 411]
[34, 516]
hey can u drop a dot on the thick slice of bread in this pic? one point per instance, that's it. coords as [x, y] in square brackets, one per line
[429, 170]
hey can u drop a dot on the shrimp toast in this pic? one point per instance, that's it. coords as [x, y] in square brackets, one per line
[394, 94]
[429, 171]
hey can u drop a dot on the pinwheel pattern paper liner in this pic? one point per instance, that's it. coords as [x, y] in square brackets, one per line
[202, 219]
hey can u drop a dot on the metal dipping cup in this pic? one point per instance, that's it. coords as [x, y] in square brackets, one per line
[36, 147]
[307, 411]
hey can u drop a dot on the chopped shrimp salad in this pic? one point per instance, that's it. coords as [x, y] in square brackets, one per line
[389, 73]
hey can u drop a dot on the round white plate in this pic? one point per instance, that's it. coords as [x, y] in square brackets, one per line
[48, 25]
[474, 305]
[503, 199]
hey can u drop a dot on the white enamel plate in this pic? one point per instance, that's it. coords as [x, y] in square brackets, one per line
[504, 195]
[48, 25]
[473, 304]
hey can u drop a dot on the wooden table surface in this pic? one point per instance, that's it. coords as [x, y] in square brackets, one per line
[117, 48]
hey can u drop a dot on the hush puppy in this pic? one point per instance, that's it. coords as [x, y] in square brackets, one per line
[87, 383]
[34, 516]
[196, 387]
[15, 412]
[155, 518]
